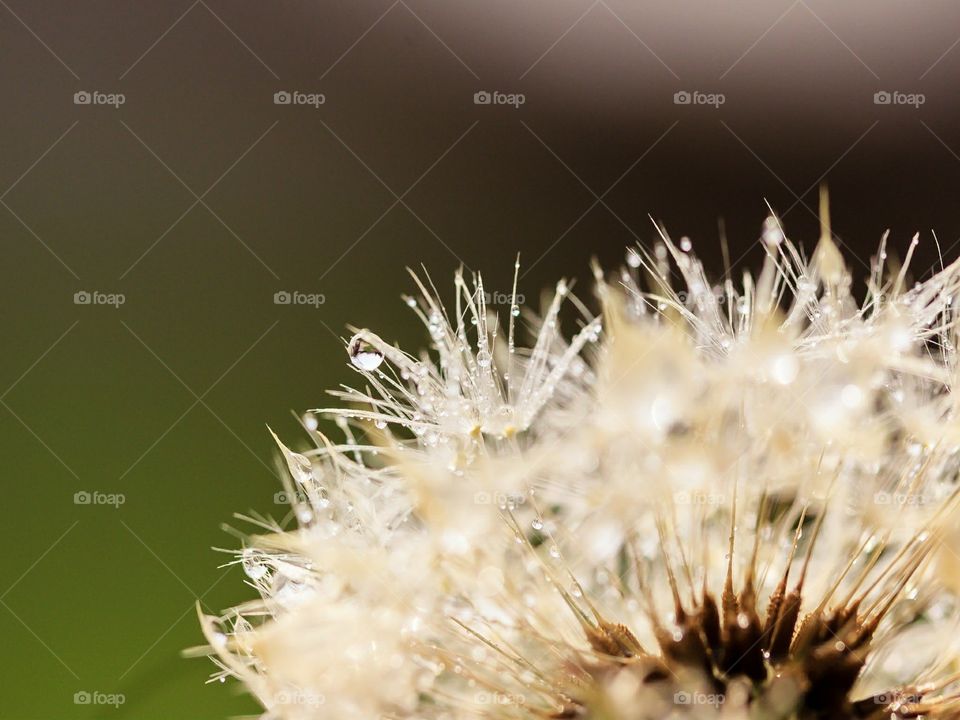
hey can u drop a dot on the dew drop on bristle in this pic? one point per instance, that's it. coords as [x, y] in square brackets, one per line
[304, 514]
[252, 565]
[772, 234]
[363, 355]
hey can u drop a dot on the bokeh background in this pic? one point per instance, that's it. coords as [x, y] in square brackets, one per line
[199, 198]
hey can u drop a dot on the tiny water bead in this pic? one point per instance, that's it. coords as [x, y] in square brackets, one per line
[252, 562]
[363, 354]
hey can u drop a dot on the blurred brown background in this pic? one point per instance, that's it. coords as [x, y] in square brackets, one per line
[199, 198]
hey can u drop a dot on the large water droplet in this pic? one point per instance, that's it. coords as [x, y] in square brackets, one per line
[772, 234]
[363, 355]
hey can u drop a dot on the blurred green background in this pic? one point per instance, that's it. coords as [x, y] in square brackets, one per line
[199, 198]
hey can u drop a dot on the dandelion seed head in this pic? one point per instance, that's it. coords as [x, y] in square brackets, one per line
[730, 500]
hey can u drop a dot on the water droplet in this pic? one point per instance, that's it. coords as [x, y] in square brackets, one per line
[685, 244]
[851, 396]
[784, 368]
[363, 355]
[310, 421]
[483, 359]
[435, 325]
[304, 514]
[633, 258]
[379, 424]
[772, 234]
[250, 559]
[537, 524]
[299, 465]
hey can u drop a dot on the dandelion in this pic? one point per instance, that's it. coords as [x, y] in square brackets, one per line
[713, 500]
